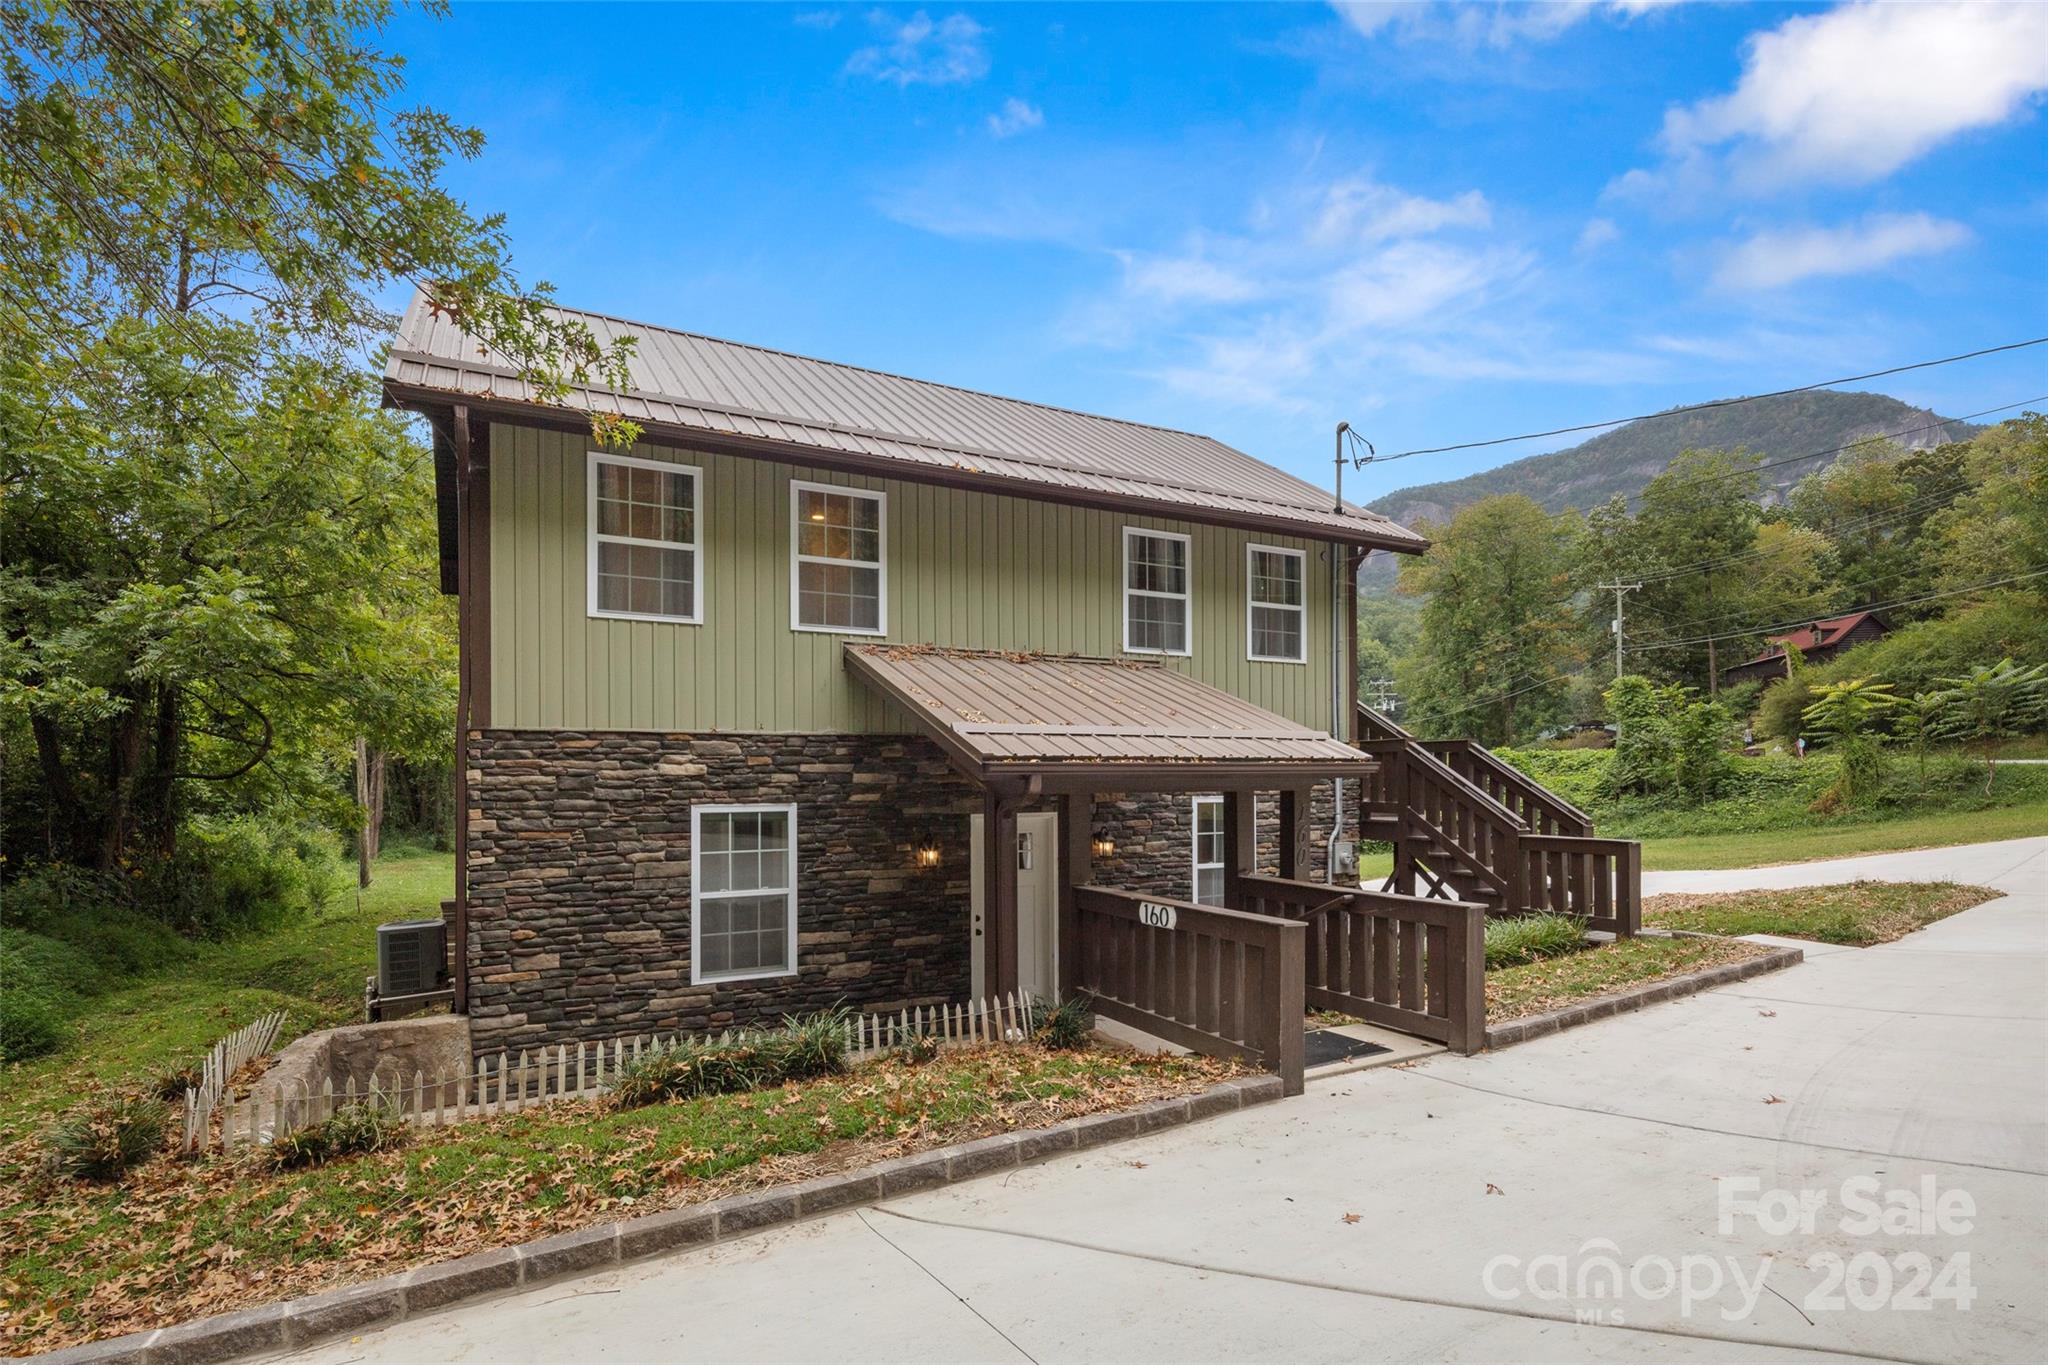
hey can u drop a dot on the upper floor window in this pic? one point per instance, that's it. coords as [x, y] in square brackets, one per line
[1209, 850]
[1276, 612]
[742, 892]
[643, 559]
[838, 578]
[1155, 592]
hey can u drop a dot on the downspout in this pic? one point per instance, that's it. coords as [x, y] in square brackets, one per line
[1338, 729]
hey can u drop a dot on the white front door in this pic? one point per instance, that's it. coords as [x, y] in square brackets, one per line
[1037, 905]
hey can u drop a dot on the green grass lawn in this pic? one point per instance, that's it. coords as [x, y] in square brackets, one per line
[1858, 914]
[312, 968]
[1804, 844]
[180, 1239]
[1553, 983]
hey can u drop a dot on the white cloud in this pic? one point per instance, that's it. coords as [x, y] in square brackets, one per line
[1360, 210]
[1473, 25]
[920, 51]
[1851, 95]
[1597, 233]
[1185, 279]
[1016, 116]
[1775, 258]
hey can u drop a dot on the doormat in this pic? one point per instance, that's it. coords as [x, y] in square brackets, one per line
[1323, 1046]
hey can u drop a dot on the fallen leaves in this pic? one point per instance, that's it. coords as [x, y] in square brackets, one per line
[1492, 1188]
[1350, 1218]
[1774, 1099]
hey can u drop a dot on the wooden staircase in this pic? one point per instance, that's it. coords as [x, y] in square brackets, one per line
[1466, 826]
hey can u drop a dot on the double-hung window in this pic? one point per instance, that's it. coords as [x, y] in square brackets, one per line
[1209, 850]
[838, 580]
[742, 892]
[1155, 592]
[643, 560]
[1276, 611]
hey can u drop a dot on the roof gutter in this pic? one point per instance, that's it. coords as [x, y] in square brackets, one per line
[436, 401]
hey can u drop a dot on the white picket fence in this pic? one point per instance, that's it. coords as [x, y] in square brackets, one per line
[509, 1081]
[227, 1056]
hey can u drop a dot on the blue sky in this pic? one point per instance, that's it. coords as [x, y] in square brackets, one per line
[1442, 222]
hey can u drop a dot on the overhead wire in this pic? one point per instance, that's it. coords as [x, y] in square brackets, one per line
[1712, 403]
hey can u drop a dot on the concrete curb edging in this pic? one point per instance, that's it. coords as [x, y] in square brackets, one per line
[428, 1288]
[1571, 1016]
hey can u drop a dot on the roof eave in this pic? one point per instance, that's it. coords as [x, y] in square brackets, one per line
[420, 398]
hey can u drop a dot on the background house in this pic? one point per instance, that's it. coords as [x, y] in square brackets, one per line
[1817, 642]
[801, 701]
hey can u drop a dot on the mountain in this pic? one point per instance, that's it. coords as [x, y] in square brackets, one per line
[1625, 459]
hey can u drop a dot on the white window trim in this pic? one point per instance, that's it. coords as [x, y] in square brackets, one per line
[695, 546]
[1186, 599]
[881, 501]
[1301, 557]
[1195, 843]
[697, 894]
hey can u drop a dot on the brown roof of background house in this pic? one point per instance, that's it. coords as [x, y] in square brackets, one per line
[997, 713]
[697, 384]
[1820, 634]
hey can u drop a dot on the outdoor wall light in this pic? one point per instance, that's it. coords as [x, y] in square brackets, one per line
[928, 856]
[1104, 847]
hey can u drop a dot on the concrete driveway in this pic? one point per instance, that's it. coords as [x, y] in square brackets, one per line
[1465, 1208]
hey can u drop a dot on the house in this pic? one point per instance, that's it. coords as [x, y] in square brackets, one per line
[840, 688]
[1817, 642]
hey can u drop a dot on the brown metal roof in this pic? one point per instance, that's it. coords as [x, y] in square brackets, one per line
[1024, 715]
[686, 383]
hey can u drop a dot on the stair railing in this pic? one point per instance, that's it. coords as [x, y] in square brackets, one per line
[1542, 810]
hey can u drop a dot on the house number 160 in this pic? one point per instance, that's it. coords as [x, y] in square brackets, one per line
[1155, 915]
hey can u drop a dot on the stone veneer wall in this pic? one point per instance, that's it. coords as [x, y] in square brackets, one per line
[579, 894]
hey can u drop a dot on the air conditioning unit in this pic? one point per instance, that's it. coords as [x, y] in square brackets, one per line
[412, 957]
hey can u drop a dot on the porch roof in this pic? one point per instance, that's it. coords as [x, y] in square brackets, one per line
[1073, 723]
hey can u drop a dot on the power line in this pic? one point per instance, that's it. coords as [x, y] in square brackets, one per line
[1714, 403]
[1874, 606]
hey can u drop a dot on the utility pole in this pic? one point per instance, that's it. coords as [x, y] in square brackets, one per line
[1383, 696]
[1618, 588]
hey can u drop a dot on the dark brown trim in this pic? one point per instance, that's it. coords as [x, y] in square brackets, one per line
[426, 400]
[1294, 832]
[1240, 843]
[478, 512]
[999, 891]
[1077, 868]
[465, 657]
[1200, 776]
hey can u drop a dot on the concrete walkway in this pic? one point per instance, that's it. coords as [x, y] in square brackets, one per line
[1418, 1213]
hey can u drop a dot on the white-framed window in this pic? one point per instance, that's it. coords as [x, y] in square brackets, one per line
[1208, 841]
[838, 572]
[1276, 604]
[742, 892]
[644, 563]
[1156, 592]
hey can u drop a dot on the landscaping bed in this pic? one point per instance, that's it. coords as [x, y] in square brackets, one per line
[1609, 969]
[1857, 913]
[176, 1240]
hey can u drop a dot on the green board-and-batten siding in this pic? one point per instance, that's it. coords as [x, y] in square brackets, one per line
[970, 570]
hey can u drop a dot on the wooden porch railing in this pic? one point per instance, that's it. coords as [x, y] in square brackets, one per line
[1599, 880]
[1406, 962]
[1439, 806]
[1535, 805]
[1219, 982]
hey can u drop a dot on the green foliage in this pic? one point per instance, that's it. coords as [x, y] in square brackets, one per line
[1874, 505]
[1512, 940]
[803, 1047]
[31, 1024]
[1992, 703]
[228, 876]
[367, 1126]
[1062, 1025]
[1848, 714]
[1667, 744]
[1496, 629]
[106, 1137]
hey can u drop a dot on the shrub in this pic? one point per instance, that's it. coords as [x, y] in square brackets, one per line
[1063, 1026]
[31, 1025]
[106, 1137]
[803, 1047]
[171, 1085]
[368, 1126]
[917, 1049]
[1512, 941]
